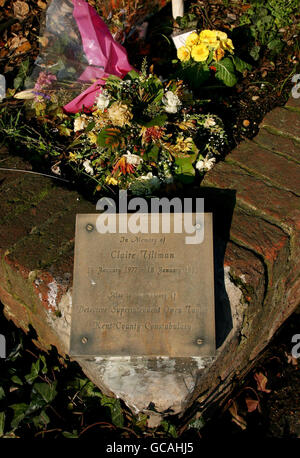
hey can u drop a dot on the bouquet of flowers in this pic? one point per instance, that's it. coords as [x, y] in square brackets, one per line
[210, 50]
[139, 134]
[143, 132]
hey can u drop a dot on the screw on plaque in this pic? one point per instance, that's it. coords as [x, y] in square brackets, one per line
[84, 340]
[89, 227]
[199, 341]
[198, 226]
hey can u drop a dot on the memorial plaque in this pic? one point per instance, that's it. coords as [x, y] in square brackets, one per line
[142, 294]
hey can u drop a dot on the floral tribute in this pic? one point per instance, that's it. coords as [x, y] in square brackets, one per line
[140, 133]
[211, 50]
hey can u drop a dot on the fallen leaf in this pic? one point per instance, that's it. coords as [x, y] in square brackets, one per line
[246, 123]
[252, 404]
[21, 9]
[42, 5]
[2, 3]
[264, 73]
[236, 418]
[261, 381]
[26, 46]
[255, 97]
[291, 359]
[15, 42]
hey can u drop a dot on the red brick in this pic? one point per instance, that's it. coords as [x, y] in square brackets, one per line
[286, 121]
[277, 169]
[293, 102]
[249, 269]
[251, 190]
[44, 246]
[283, 145]
[35, 215]
[260, 236]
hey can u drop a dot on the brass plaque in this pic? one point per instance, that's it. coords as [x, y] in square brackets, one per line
[142, 294]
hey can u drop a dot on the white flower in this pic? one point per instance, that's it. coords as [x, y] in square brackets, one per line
[133, 159]
[209, 122]
[102, 101]
[171, 102]
[87, 167]
[80, 123]
[205, 164]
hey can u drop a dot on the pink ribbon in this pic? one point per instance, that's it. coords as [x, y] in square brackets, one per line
[105, 56]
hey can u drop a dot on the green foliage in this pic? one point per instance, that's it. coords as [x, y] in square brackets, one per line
[265, 19]
[42, 395]
[169, 428]
[225, 72]
[22, 74]
[114, 406]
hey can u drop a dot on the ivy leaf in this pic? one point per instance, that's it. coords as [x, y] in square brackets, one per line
[35, 369]
[2, 423]
[16, 380]
[115, 410]
[275, 45]
[225, 72]
[20, 411]
[44, 368]
[254, 52]
[45, 390]
[169, 428]
[42, 420]
[2, 393]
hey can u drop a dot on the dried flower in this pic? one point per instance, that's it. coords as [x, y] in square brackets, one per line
[209, 122]
[132, 159]
[183, 145]
[119, 114]
[205, 164]
[87, 167]
[80, 123]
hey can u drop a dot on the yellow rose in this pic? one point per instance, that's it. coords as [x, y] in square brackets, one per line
[200, 52]
[221, 35]
[209, 37]
[192, 39]
[219, 54]
[228, 45]
[183, 54]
